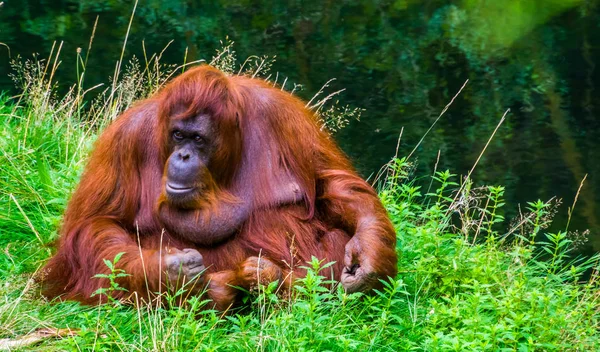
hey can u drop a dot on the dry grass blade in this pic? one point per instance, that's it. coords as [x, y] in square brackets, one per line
[480, 155]
[34, 338]
[436, 120]
[7, 48]
[570, 211]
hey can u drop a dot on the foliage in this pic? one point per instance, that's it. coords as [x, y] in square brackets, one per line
[115, 273]
[464, 283]
[400, 60]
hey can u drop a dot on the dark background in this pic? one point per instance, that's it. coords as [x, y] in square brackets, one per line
[402, 61]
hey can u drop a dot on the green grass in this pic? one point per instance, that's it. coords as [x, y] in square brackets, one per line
[468, 280]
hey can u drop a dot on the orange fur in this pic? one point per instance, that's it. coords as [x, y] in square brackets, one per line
[264, 135]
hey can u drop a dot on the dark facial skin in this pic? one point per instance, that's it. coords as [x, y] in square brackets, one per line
[186, 167]
[187, 176]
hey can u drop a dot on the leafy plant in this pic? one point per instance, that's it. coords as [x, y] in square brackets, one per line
[113, 276]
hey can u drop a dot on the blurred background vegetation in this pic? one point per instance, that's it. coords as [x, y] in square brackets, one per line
[400, 60]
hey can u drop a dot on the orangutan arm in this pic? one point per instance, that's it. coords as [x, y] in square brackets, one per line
[352, 204]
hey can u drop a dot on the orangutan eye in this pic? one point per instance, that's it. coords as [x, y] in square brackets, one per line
[177, 135]
[198, 139]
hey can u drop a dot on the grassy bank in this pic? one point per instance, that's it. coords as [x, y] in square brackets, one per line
[469, 279]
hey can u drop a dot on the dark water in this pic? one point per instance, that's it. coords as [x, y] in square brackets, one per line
[402, 61]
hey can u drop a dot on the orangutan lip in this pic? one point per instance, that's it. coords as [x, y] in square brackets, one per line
[178, 189]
